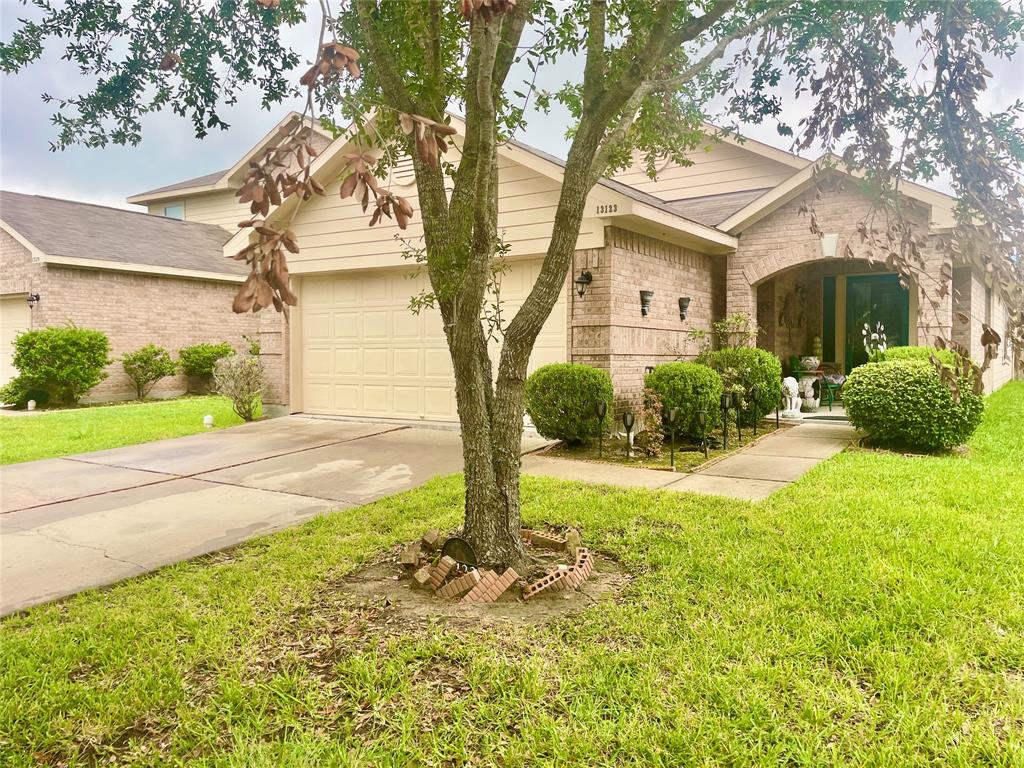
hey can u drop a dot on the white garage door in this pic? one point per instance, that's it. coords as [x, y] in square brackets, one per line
[364, 353]
[14, 318]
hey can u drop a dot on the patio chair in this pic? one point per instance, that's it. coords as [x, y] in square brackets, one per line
[832, 382]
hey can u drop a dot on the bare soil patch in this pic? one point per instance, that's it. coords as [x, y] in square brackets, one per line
[382, 585]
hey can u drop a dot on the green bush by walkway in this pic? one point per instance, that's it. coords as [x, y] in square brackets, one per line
[748, 370]
[872, 614]
[903, 403]
[692, 388]
[562, 398]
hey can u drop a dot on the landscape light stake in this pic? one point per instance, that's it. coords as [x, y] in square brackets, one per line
[736, 403]
[725, 400]
[672, 416]
[628, 420]
[702, 419]
[601, 409]
[753, 406]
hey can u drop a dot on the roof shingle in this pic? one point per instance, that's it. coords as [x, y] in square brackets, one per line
[85, 231]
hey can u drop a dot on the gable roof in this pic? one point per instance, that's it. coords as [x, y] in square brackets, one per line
[219, 180]
[941, 204]
[634, 206]
[81, 234]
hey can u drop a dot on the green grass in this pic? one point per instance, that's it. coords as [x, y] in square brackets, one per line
[871, 614]
[78, 430]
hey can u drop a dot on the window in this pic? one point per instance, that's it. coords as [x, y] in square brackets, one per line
[176, 211]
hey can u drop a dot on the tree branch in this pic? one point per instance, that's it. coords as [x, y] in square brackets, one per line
[593, 75]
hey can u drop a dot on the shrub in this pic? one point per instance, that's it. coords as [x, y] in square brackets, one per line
[146, 366]
[197, 361]
[743, 368]
[947, 357]
[63, 363]
[690, 387]
[241, 378]
[562, 398]
[903, 403]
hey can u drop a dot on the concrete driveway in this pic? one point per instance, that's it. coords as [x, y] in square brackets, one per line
[84, 521]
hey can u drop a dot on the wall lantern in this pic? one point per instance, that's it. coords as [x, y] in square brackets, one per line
[645, 302]
[628, 420]
[33, 299]
[583, 281]
[684, 305]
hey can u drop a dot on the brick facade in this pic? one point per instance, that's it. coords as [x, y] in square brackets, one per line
[136, 309]
[607, 328]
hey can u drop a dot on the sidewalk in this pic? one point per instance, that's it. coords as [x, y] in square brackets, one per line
[752, 473]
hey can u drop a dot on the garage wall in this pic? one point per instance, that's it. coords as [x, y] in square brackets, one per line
[364, 353]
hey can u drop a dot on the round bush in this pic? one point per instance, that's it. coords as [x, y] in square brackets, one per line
[691, 387]
[562, 398]
[946, 357]
[743, 368]
[65, 363]
[903, 403]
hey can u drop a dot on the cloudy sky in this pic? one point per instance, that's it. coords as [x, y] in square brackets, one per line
[170, 152]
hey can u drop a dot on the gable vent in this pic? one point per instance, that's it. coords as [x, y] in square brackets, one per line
[403, 173]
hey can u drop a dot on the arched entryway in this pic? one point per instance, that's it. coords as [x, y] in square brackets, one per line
[820, 308]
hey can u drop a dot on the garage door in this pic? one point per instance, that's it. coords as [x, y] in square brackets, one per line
[364, 353]
[14, 318]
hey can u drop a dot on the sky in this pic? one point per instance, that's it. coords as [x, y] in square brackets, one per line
[170, 152]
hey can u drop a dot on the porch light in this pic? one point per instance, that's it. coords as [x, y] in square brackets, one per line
[32, 299]
[628, 420]
[583, 281]
[684, 305]
[645, 302]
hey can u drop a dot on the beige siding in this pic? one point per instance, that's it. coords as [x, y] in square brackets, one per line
[717, 168]
[364, 352]
[335, 234]
[219, 208]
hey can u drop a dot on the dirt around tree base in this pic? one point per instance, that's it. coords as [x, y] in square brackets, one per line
[383, 585]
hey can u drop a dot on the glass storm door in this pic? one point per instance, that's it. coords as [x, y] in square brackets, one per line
[875, 299]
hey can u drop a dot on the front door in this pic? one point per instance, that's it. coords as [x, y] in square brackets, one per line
[875, 299]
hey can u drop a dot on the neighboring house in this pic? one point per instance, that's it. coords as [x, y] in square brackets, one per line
[725, 231]
[140, 279]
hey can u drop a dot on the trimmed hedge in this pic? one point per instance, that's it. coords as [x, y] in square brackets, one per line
[561, 400]
[199, 359]
[946, 357]
[689, 387]
[63, 363]
[743, 368]
[903, 403]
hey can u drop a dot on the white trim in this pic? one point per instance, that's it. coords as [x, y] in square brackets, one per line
[149, 269]
[222, 182]
[754, 146]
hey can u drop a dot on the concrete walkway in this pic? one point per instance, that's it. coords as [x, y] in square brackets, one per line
[753, 473]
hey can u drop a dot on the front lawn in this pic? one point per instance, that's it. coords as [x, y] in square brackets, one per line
[78, 430]
[871, 614]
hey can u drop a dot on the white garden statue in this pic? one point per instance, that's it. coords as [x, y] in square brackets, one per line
[790, 398]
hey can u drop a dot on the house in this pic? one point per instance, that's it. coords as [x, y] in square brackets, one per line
[725, 233]
[140, 279]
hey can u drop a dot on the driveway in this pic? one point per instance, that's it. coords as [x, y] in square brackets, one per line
[85, 521]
